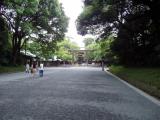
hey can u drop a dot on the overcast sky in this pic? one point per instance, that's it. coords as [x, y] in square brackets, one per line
[72, 9]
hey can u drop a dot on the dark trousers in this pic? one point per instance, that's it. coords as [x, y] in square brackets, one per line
[41, 73]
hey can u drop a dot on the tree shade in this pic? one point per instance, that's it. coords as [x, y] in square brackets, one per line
[135, 25]
[43, 19]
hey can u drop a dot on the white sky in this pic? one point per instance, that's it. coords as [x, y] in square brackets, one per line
[72, 9]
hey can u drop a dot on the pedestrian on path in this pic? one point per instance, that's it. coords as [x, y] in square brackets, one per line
[27, 67]
[33, 68]
[41, 69]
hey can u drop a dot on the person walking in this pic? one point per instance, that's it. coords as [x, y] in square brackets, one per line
[27, 67]
[33, 68]
[41, 69]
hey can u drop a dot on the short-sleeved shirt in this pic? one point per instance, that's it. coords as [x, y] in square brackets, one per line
[41, 66]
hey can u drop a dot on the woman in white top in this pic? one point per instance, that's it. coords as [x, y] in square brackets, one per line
[27, 68]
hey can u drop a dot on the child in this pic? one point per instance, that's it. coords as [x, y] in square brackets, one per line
[41, 70]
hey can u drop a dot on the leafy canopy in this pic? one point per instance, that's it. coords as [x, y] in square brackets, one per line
[64, 48]
[134, 23]
[43, 20]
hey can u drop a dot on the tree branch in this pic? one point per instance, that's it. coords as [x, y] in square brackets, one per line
[8, 19]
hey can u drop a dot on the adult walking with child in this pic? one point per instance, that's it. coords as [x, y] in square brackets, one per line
[33, 68]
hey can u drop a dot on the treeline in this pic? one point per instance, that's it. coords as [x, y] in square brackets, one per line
[134, 24]
[42, 21]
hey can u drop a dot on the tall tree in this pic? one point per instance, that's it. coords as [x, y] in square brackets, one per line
[134, 23]
[64, 47]
[43, 19]
[4, 42]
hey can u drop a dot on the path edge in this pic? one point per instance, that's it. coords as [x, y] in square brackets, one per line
[139, 91]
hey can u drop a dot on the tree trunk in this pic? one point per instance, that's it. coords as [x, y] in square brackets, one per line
[16, 45]
[13, 50]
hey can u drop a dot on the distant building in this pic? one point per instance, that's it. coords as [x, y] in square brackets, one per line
[27, 56]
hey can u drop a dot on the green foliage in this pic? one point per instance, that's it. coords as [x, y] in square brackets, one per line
[64, 48]
[4, 43]
[87, 12]
[109, 56]
[88, 41]
[96, 51]
[96, 18]
[44, 19]
[41, 50]
[11, 69]
[100, 49]
[133, 22]
[96, 54]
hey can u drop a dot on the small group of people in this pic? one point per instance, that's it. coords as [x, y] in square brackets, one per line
[34, 68]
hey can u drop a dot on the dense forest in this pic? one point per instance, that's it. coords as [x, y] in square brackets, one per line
[134, 24]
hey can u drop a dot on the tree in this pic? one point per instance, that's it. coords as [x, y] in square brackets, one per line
[101, 49]
[41, 50]
[98, 17]
[133, 22]
[107, 53]
[43, 19]
[95, 52]
[64, 47]
[139, 45]
[88, 41]
[4, 42]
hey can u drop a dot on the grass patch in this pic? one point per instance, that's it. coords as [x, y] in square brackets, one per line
[11, 69]
[147, 79]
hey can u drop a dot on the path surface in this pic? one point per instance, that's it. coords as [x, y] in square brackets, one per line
[72, 94]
